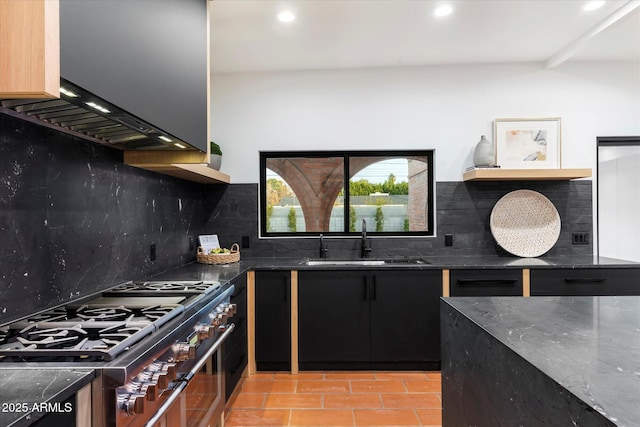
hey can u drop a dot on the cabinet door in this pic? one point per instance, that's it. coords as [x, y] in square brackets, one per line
[586, 281]
[333, 317]
[235, 348]
[405, 316]
[483, 283]
[273, 320]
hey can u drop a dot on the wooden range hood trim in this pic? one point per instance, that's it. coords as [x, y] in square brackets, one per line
[29, 49]
[189, 165]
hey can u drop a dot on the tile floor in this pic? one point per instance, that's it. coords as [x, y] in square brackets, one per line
[353, 398]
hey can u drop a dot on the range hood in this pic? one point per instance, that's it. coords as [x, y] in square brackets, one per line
[127, 81]
[80, 113]
[132, 75]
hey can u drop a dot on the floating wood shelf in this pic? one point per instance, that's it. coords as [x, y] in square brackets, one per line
[189, 165]
[498, 174]
[201, 173]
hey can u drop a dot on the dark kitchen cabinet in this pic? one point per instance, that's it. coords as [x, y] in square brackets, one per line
[586, 281]
[405, 324]
[273, 320]
[333, 316]
[485, 282]
[235, 350]
[369, 319]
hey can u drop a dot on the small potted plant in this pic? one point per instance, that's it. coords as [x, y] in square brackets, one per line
[216, 156]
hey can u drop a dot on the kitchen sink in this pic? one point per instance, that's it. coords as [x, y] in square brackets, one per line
[344, 262]
[406, 261]
[387, 261]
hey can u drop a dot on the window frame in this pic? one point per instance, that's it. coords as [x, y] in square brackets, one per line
[346, 155]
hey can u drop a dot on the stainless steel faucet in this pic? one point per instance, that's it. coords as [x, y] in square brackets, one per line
[323, 248]
[364, 250]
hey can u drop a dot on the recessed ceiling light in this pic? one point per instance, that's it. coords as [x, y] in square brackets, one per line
[286, 16]
[593, 5]
[165, 139]
[179, 145]
[443, 11]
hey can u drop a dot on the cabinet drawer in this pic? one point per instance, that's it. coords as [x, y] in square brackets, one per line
[239, 333]
[478, 283]
[240, 284]
[587, 281]
[235, 362]
[240, 300]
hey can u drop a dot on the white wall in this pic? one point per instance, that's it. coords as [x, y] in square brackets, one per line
[441, 107]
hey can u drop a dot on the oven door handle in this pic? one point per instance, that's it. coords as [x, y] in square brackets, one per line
[185, 381]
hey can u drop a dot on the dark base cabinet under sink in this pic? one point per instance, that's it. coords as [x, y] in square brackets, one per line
[378, 319]
[273, 320]
[485, 283]
[333, 317]
[586, 281]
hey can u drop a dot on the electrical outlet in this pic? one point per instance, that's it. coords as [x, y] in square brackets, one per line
[246, 243]
[152, 252]
[581, 238]
[448, 239]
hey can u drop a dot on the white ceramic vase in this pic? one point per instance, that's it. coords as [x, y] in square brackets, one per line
[216, 161]
[484, 155]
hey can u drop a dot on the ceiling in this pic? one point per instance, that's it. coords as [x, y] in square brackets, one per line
[335, 34]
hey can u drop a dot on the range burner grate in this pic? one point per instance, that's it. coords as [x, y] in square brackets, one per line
[122, 313]
[167, 287]
[97, 340]
[98, 330]
[105, 326]
[51, 315]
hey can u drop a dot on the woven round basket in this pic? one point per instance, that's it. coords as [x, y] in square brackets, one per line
[525, 223]
[233, 256]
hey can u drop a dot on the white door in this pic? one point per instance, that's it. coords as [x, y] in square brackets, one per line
[619, 200]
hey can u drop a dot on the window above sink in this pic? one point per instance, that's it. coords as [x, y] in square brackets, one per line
[307, 193]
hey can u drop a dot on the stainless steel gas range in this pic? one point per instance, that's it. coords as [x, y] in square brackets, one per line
[155, 346]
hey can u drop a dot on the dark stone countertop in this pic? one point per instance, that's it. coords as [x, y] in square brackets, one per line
[588, 345]
[48, 385]
[24, 390]
[223, 273]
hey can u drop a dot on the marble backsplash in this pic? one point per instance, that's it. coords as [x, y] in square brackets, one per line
[462, 209]
[75, 220]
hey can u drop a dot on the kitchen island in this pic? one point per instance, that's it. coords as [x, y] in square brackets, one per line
[557, 361]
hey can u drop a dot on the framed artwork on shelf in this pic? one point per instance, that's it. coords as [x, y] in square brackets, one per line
[528, 143]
